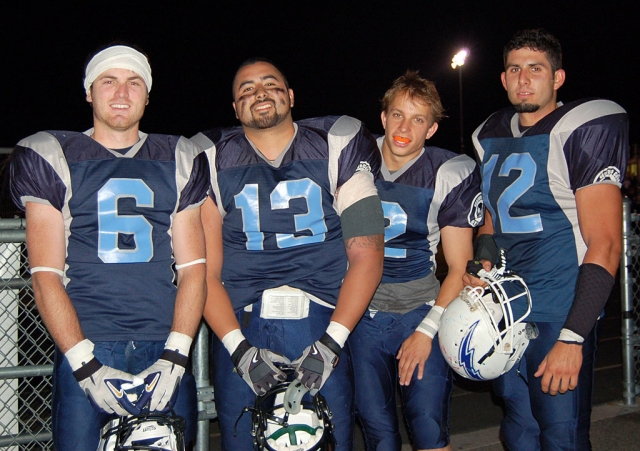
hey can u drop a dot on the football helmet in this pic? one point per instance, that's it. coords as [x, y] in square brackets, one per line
[149, 431]
[285, 421]
[479, 336]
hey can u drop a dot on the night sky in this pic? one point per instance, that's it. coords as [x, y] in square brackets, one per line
[339, 57]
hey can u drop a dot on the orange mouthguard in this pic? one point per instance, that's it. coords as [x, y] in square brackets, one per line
[401, 139]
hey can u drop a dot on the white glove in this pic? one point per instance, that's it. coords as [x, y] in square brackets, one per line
[257, 367]
[162, 379]
[317, 362]
[104, 386]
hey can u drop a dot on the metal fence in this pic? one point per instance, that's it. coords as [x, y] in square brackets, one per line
[26, 356]
[630, 306]
[26, 350]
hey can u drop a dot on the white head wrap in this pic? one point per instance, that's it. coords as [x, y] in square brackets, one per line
[120, 57]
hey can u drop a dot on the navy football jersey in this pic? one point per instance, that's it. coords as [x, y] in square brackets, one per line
[437, 189]
[117, 211]
[280, 225]
[529, 181]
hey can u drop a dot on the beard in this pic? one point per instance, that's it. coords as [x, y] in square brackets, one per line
[267, 121]
[526, 107]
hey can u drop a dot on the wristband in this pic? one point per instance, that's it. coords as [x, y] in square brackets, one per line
[431, 323]
[570, 337]
[178, 342]
[338, 332]
[231, 340]
[80, 354]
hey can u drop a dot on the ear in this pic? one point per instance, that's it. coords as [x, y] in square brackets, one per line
[234, 109]
[89, 96]
[383, 118]
[291, 98]
[147, 102]
[503, 78]
[558, 78]
[432, 130]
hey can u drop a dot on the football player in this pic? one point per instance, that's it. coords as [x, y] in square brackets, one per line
[429, 195]
[109, 213]
[294, 211]
[551, 176]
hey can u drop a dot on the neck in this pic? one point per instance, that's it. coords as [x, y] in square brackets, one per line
[115, 139]
[271, 141]
[530, 119]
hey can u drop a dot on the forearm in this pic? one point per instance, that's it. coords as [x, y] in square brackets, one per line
[366, 255]
[190, 300]
[451, 287]
[56, 310]
[218, 310]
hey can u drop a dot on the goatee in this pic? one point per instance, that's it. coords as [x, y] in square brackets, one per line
[526, 107]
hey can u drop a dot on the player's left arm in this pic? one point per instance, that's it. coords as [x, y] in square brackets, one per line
[362, 222]
[162, 379]
[189, 252]
[457, 249]
[600, 219]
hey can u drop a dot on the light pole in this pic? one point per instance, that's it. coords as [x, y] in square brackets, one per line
[458, 61]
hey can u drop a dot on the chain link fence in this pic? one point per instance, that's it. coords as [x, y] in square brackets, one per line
[26, 356]
[630, 289]
[26, 350]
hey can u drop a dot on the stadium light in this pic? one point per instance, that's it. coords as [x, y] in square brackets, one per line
[457, 62]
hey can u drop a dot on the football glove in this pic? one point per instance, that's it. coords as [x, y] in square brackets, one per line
[104, 386]
[257, 367]
[317, 362]
[162, 379]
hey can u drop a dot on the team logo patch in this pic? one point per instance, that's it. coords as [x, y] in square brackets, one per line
[363, 166]
[610, 174]
[476, 213]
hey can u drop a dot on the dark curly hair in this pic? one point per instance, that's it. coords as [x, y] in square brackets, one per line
[536, 39]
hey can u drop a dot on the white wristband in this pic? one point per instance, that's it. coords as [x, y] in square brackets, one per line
[179, 342]
[569, 336]
[80, 354]
[431, 323]
[338, 332]
[232, 339]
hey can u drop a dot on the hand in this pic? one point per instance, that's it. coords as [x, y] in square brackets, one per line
[162, 379]
[106, 388]
[471, 278]
[317, 362]
[560, 368]
[414, 351]
[257, 367]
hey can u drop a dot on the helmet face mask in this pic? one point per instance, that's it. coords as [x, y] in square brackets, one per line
[150, 431]
[479, 335]
[275, 429]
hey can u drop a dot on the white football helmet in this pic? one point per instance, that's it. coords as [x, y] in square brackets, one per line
[284, 421]
[479, 336]
[150, 431]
